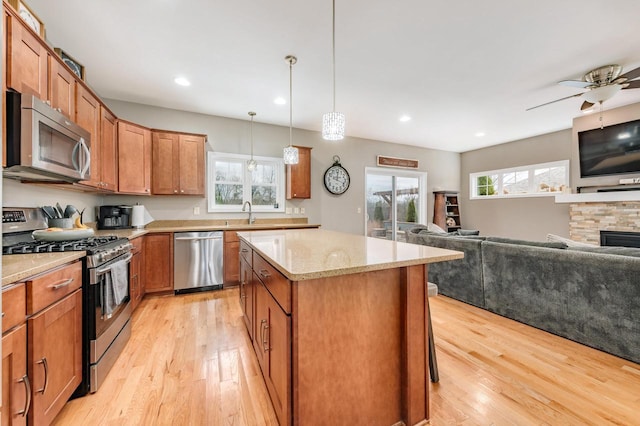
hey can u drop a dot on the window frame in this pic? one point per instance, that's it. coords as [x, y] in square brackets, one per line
[530, 169]
[212, 207]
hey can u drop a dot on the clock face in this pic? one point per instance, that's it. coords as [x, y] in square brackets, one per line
[336, 179]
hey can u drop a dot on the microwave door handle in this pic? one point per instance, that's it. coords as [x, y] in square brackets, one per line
[75, 154]
[83, 144]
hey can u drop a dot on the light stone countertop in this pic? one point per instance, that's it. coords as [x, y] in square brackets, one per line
[17, 267]
[315, 253]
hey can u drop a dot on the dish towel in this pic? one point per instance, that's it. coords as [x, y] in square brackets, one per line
[116, 288]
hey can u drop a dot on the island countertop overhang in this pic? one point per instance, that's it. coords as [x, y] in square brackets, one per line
[303, 254]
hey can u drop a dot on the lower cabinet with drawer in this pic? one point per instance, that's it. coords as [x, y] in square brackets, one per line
[272, 334]
[45, 355]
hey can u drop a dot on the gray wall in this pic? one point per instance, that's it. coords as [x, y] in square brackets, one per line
[229, 135]
[527, 218]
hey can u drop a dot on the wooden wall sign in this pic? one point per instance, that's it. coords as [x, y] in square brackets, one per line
[385, 161]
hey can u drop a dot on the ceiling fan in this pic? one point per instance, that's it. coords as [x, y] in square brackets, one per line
[602, 82]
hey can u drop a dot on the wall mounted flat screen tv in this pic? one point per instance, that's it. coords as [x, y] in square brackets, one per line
[612, 150]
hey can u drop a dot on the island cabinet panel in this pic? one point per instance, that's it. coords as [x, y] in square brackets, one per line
[134, 159]
[158, 262]
[26, 59]
[272, 344]
[246, 294]
[277, 284]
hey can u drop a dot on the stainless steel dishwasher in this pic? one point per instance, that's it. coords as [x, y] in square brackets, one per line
[197, 261]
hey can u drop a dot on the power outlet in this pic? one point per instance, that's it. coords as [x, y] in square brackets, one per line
[359, 210]
[301, 210]
[296, 210]
[196, 210]
[288, 210]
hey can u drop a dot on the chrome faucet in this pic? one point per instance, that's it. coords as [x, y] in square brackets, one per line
[244, 207]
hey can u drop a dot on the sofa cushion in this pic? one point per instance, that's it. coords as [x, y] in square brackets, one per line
[569, 242]
[467, 232]
[621, 251]
[547, 244]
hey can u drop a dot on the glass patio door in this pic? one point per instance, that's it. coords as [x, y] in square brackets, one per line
[395, 202]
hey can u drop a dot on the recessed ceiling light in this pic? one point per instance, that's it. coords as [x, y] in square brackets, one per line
[405, 118]
[280, 101]
[479, 134]
[182, 81]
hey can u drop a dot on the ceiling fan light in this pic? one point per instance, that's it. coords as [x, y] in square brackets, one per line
[602, 93]
[333, 124]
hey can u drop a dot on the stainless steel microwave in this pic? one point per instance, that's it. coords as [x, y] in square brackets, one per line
[43, 144]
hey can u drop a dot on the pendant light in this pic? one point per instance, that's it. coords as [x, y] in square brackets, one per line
[290, 152]
[333, 122]
[251, 164]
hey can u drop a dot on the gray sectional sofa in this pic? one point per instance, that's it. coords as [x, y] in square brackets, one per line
[589, 295]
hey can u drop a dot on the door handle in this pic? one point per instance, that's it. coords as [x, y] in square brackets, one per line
[264, 329]
[43, 361]
[27, 390]
[61, 284]
[88, 157]
[264, 273]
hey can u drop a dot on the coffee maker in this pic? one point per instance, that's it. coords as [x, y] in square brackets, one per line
[114, 217]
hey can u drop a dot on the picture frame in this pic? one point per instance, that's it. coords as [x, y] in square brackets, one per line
[76, 67]
[29, 17]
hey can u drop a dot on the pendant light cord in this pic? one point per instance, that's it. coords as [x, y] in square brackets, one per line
[290, 101]
[333, 54]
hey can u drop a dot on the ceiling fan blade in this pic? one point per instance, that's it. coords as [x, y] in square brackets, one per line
[575, 83]
[631, 85]
[557, 100]
[586, 105]
[631, 74]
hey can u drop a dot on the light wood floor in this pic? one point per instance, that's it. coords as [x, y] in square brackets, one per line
[189, 362]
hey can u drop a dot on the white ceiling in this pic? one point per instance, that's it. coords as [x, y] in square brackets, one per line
[456, 67]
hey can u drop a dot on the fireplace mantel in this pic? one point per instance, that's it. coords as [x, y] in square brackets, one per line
[599, 197]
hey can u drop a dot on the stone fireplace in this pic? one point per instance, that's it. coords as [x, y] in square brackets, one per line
[587, 219]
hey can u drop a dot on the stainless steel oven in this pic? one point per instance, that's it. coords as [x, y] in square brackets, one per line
[43, 144]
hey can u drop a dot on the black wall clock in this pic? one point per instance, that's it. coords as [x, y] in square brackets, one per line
[336, 178]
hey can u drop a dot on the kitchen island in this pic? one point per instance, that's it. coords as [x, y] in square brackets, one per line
[339, 324]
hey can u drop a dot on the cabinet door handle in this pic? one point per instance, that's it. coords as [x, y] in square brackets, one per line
[27, 390]
[43, 361]
[264, 329]
[61, 284]
[244, 250]
[264, 273]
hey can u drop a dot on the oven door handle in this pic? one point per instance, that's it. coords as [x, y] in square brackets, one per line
[100, 271]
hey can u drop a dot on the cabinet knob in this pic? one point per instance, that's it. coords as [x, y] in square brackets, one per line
[146, 190]
[175, 190]
[182, 190]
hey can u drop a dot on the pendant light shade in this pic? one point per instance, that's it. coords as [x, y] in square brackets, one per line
[333, 123]
[251, 164]
[290, 153]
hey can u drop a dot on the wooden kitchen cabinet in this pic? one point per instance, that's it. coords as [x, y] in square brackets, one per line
[246, 294]
[158, 262]
[272, 344]
[26, 58]
[299, 175]
[108, 150]
[62, 88]
[88, 117]
[54, 340]
[177, 163]
[16, 391]
[231, 258]
[136, 291]
[134, 158]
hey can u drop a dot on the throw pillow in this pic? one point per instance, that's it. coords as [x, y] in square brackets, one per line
[435, 228]
[569, 242]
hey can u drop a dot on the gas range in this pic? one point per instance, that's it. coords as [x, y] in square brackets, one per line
[19, 223]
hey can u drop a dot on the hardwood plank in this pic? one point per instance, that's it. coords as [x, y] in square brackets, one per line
[190, 361]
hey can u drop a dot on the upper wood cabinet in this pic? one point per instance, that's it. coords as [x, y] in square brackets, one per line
[134, 158]
[26, 58]
[88, 117]
[108, 150]
[62, 87]
[178, 164]
[299, 175]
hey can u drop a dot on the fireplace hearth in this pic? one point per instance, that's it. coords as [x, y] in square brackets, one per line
[618, 238]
